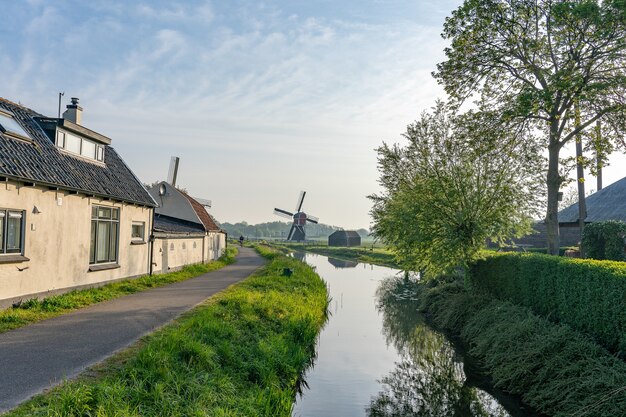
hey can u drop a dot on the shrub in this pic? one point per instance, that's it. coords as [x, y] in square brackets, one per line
[588, 295]
[605, 240]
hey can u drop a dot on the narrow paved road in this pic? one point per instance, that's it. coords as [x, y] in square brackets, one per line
[41, 355]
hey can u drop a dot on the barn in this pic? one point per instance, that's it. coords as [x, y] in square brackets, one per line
[344, 238]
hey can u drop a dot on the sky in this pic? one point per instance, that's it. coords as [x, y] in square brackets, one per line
[259, 99]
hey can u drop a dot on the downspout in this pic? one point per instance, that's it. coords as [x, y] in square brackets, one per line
[203, 240]
[152, 242]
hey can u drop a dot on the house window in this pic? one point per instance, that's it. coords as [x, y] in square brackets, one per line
[105, 226]
[11, 231]
[138, 231]
[10, 126]
[80, 146]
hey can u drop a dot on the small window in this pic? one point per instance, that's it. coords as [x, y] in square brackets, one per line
[61, 139]
[10, 126]
[11, 231]
[138, 231]
[72, 143]
[88, 149]
[80, 146]
[100, 153]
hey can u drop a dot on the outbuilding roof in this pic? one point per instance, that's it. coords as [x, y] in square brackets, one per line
[167, 224]
[346, 233]
[607, 204]
[207, 220]
[41, 162]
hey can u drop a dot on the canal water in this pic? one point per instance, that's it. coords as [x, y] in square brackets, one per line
[376, 357]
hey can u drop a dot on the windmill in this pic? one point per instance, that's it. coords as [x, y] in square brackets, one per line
[296, 233]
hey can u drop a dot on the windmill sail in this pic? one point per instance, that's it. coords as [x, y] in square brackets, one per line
[300, 201]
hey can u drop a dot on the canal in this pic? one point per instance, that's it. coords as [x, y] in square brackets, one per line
[377, 357]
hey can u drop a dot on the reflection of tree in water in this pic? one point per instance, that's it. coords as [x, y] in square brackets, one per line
[429, 379]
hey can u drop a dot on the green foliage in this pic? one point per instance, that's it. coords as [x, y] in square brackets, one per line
[459, 182]
[554, 369]
[533, 62]
[34, 310]
[587, 295]
[605, 240]
[240, 354]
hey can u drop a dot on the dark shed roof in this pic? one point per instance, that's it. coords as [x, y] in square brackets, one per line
[345, 233]
[166, 224]
[40, 161]
[607, 204]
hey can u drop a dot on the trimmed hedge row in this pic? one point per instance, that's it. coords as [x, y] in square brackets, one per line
[588, 295]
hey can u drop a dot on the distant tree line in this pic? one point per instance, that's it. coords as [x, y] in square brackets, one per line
[280, 229]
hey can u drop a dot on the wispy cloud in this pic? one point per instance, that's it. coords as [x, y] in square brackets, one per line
[287, 95]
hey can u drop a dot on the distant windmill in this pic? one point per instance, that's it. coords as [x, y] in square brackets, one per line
[296, 233]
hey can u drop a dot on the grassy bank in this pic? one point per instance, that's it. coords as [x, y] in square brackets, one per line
[552, 367]
[376, 256]
[239, 354]
[35, 310]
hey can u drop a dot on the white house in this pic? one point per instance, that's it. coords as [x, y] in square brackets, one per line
[72, 213]
[184, 232]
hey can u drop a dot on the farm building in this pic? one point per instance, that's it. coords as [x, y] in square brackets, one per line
[344, 238]
[607, 204]
[72, 213]
[184, 232]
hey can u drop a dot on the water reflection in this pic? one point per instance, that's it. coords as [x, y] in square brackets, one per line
[428, 379]
[340, 263]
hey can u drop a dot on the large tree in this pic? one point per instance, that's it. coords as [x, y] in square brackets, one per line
[535, 60]
[459, 181]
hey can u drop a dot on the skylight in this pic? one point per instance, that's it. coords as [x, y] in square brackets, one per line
[9, 125]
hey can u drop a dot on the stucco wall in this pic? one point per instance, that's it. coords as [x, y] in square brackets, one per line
[174, 252]
[57, 241]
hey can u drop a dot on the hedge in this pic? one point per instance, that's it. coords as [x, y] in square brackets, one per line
[588, 295]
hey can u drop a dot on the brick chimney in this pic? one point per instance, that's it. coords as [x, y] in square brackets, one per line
[74, 112]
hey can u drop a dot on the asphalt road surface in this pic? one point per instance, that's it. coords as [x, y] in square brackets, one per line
[42, 355]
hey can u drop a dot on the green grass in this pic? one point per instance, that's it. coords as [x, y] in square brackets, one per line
[371, 255]
[35, 310]
[553, 368]
[242, 353]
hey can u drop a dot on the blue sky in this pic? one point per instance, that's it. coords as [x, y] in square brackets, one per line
[259, 99]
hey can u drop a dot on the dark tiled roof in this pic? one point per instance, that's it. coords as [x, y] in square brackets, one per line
[607, 204]
[346, 233]
[206, 219]
[42, 162]
[168, 224]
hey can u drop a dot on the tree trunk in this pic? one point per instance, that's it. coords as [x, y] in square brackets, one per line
[553, 182]
[598, 156]
[580, 179]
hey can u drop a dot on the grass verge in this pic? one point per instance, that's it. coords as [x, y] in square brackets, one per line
[552, 367]
[242, 353]
[376, 256]
[35, 310]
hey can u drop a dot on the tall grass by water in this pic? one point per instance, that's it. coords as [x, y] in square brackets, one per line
[34, 310]
[240, 354]
[553, 368]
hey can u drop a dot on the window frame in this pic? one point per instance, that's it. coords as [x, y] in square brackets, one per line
[141, 238]
[11, 133]
[62, 140]
[5, 215]
[96, 220]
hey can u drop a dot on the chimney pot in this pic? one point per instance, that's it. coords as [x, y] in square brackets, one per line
[74, 112]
